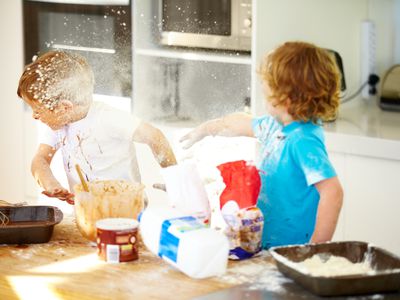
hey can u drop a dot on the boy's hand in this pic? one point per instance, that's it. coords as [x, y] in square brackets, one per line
[192, 137]
[60, 193]
[236, 124]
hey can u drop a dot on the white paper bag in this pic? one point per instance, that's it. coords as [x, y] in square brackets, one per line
[186, 190]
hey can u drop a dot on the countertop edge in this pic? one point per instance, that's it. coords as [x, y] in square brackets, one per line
[362, 146]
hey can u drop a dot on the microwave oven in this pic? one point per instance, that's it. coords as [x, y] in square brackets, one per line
[210, 24]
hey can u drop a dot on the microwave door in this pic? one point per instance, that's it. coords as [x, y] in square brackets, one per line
[210, 17]
[204, 23]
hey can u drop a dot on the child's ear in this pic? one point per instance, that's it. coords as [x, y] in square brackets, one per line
[66, 105]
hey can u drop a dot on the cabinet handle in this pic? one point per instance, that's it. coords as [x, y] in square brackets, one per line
[87, 2]
[79, 48]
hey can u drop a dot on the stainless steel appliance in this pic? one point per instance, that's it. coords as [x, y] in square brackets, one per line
[99, 30]
[215, 24]
[390, 90]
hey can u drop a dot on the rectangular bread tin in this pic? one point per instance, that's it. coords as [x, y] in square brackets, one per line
[28, 224]
[384, 278]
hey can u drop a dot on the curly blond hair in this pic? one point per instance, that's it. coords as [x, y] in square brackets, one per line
[307, 76]
[57, 76]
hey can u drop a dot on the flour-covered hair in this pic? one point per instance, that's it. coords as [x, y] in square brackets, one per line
[57, 76]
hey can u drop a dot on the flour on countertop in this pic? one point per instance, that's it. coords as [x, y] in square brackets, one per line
[258, 271]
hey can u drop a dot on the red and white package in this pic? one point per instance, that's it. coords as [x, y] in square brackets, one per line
[238, 207]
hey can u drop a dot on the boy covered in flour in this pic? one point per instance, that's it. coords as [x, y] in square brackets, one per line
[300, 196]
[58, 86]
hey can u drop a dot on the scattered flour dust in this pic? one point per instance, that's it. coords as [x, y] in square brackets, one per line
[332, 265]
[257, 271]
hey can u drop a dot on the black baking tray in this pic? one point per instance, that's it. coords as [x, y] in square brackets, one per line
[29, 224]
[386, 266]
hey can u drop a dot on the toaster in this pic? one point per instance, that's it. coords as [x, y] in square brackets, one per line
[390, 89]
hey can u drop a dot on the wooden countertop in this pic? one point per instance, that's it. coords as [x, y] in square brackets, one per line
[68, 268]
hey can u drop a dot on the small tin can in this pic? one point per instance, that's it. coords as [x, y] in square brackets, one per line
[117, 239]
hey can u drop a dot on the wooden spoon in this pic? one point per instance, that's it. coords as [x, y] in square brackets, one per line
[83, 182]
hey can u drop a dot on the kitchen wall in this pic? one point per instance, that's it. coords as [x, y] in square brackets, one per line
[330, 24]
[396, 12]
[11, 116]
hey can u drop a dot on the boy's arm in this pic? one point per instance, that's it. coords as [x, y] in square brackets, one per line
[44, 176]
[155, 139]
[330, 203]
[236, 124]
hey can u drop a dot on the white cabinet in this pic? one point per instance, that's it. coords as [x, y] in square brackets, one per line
[373, 201]
[371, 204]
[12, 143]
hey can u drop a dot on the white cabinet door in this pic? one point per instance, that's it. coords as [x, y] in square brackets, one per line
[371, 205]
[11, 127]
[373, 201]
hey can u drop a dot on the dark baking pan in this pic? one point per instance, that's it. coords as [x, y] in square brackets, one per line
[28, 224]
[386, 266]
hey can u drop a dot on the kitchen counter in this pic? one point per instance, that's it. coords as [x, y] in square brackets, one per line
[68, 268]
[362, 128]
[365, 118]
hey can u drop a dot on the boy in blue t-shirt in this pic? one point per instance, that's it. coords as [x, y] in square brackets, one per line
[300, 196]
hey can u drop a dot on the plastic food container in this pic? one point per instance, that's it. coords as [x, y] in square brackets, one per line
[184, 242]
[384, 278]
[28, 224]
[106, 199]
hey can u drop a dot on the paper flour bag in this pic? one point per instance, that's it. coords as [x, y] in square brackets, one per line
[186, 190]
[238, 206]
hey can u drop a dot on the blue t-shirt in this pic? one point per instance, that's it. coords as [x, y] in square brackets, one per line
[292, 159]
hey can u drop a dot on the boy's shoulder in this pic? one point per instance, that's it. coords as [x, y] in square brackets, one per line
[112, 119]
[108, 113]
[307, 133]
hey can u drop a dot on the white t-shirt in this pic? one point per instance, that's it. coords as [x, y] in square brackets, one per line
[101, 144]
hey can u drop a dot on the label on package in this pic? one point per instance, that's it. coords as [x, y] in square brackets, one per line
[244, 232]
[112, 254]
[172, 231]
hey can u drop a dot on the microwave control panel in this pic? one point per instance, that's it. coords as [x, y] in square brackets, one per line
[244, 11]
